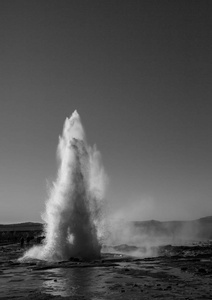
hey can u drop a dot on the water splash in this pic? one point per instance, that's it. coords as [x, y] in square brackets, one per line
[72, 217]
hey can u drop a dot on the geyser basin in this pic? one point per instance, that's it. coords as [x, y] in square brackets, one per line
[72, 217]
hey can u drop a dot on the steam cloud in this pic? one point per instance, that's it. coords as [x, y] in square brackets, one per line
[73, 210]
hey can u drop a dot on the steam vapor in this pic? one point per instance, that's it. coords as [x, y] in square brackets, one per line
[73, 210]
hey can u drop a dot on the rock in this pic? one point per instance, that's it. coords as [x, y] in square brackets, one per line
[201, 270]
[168, 287]
[75, 259]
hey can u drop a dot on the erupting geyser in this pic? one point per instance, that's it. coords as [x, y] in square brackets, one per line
[72, 217]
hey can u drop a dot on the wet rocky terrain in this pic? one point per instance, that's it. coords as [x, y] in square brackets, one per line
[177, 272]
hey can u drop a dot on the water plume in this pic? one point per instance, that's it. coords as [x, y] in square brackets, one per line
[73, 209]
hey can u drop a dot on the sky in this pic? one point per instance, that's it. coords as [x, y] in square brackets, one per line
[138, 73]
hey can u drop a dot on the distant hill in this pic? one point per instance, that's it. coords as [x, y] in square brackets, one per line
[27, 226]
[206, 219]
[200, 229]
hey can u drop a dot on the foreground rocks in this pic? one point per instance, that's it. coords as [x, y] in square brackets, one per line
[183, 272]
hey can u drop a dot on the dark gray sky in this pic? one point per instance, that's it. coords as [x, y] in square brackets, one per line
[138, 72]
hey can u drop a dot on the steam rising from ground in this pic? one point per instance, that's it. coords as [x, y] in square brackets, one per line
[145, 238]
[73, 210]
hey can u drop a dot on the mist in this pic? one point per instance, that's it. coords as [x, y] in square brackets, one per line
[73, 215]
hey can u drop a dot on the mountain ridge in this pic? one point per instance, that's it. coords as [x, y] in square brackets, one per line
[153, 221]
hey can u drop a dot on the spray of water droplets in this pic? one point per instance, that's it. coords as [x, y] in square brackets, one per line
[73, 209]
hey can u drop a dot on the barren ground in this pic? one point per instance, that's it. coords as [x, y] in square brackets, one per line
[183, 272]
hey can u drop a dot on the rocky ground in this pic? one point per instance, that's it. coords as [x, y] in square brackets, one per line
[178, 272]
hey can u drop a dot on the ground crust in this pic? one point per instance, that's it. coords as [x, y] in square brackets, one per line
[179, 272]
